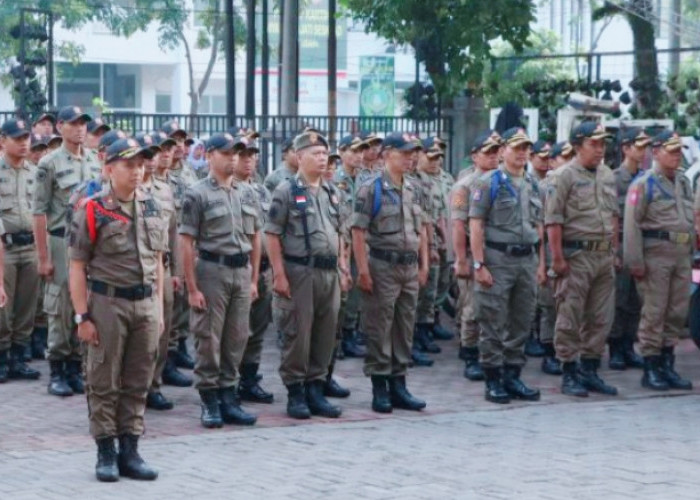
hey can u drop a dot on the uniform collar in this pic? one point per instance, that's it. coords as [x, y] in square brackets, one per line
[301, 182]
[215, 184]
[110, 201]
[389, 184]
[71, 156]
[4, 164]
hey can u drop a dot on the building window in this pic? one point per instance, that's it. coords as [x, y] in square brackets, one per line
[77, 85]
[213, 105]
[116, 84]
[164, 103]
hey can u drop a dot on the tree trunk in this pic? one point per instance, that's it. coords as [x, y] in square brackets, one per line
[646, 66]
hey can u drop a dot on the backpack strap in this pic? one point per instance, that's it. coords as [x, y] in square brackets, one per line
[377, 199]
[301, 200]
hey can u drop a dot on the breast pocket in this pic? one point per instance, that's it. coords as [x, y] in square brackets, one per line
[250, 213]
[216, 222]
[296, 219]
[503, 211]
[585, 197]
[389, 219]
[114, 239]
[334, 215]
[535, 210]
[7, 195]
[417, 214]
[156, 228]
[67, 180]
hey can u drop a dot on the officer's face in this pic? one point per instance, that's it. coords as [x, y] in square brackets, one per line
[222, 162]
[634, 152]
[516, 156]
[44, 127]
[179, 148]
[165, 157]
[486, 159]
[245, 166]
[92, 140]
[668, 160]
[37, 154]
[330, 170]
[126, 175]
[313, 160]
[372, 153]
[16, 148]
[352, 159]
[539, 163]
[292, 159]
[399, 162]
[149, 166]
[591, 152]
[73, 132]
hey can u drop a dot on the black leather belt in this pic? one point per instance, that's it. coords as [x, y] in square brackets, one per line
[18, 239]
[327, 262]
[234, 261]
[667, 236]
[512, 250]
[591, 246]
[399, 258]
[134, 293]
[59, 233]
[264, 264]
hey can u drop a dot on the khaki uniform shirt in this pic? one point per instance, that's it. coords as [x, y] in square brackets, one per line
[460, 196]
[161, 191]
[345, 185]
[221, 220]
[125, 249]
[16, 193]
[278, 176]
[583, 201]
[289, 201]
[656, 203]
[623, 180]
[510, 207]
[58, 174]
[264, 202]
[180, 178]
[397, 224]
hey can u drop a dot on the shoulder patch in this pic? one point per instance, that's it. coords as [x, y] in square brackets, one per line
[459, 200]
[476, 195]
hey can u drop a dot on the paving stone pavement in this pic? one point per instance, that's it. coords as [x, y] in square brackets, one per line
[639, 444]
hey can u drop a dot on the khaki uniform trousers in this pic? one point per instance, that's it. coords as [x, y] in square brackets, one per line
[548, 312]
[628, 307]
[62, 341]
[308, 323]
[506, 310]
[351, 312]
[389, 313]
[21, 286]
[425, 310]
[584, 299]
[164, 336]
[468, 327]
[120, 369]
[665, 296]
[260, 315]
[221, 331]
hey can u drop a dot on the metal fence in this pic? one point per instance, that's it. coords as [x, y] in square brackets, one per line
[275, 129]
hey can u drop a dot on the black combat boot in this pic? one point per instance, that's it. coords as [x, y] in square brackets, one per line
[463, 353]
[211, 413]
[38, 342]
[106, 469]
[653, 378]
[533, 348]
[550, 364]
[570, 383]
[57, 384]
[181, 357]
[4, 365]
[156, 401]
[439, 331]
[317, 402]
[675, 381]
[472, 366]
[27, 353]
[130, 462]
[588, 375]
[617, 354]
[173, 376]
[296, 402]
[420, 358]
[494, 390]
[515, 387]
[349, 345]
[231, 411]
[423, 338]
[381, 401]
[400, 397]
[249, 388]
[632, 359]
[18, 369]
[331, 388]
[74, 376]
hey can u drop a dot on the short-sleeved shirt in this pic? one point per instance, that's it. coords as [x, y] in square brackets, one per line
[583, 201]
[221, 219]
[395, 224]
[280, 174]
[293, 200]
[460, 196]
[623, 180]
[121, 247]
[264, 202]
[345, 185]
[655, 202]
[58, 174]
[86, 189]
[180, 177]
[161, 191]
[16, 193]
[510, 207]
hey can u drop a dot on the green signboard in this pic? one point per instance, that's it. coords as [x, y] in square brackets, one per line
[377, 86]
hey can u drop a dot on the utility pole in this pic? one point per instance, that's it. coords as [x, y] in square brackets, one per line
[289, 75]
[230, 65]
[265, 56]
[250, 62]
[675, 37]
[332, 71]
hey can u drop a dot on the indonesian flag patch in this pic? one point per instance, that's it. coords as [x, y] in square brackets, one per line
[633, 196]
[300, 199]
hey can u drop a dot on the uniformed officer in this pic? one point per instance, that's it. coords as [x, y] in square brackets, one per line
[505, 229]
[371, 158]
[581, 218]
[221, 220]
[21, 278]
[58, 174]
[287, 168]
[485, 155]
[303, 243]
[658, 243]
[389, 220]
[44, 125]
[116, 283]
[351, 149]
[249, 388]
[561, 154]
[180, 176]
[634, 143]
[38, 147]
[96, 128]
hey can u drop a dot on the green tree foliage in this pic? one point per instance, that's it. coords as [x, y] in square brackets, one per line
[453, 38]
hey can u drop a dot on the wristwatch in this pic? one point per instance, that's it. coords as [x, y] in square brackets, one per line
[478, 265]
[81, 318]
